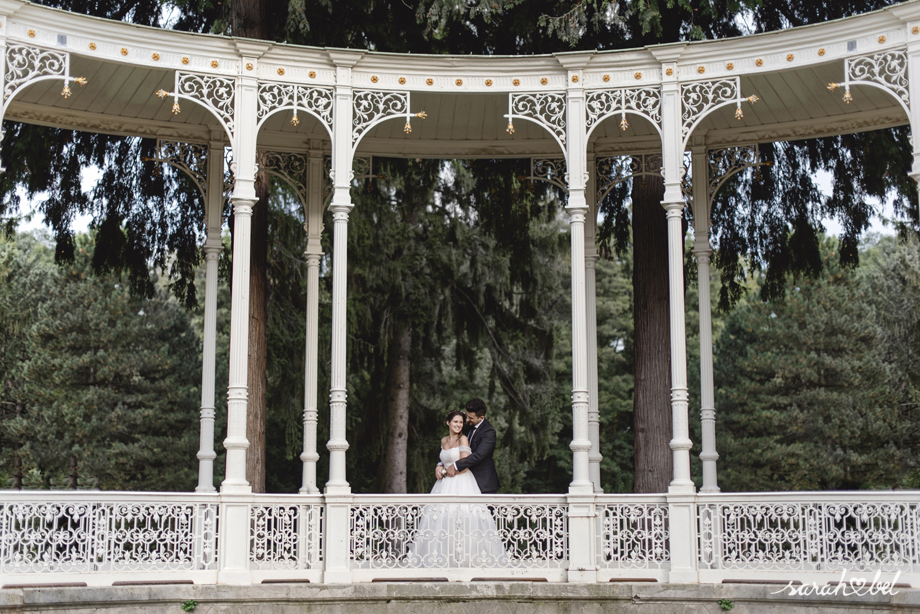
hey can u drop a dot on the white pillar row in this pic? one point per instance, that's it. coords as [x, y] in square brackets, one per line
[212, 249]
[703, 251]
[591, 258]
[681, 491]
[233, 565]
[313, 254]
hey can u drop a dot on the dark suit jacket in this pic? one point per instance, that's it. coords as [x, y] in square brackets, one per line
[480, 462]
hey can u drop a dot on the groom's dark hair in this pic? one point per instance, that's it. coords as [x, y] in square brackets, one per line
[476, 406]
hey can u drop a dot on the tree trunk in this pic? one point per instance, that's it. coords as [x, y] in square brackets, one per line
[249, 19]
[651, 318]
[398, 365]
[258, 337]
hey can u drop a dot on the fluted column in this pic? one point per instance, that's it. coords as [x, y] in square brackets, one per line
[913, 80]
[682, 514]
[703, 251]
[206, 454]
[212, 249]
[591, 258]
[314, 215]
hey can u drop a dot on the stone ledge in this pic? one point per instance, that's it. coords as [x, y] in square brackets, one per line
[447, 598]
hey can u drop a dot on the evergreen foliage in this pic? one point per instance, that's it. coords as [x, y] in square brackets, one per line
[805, 398]
[102, 376]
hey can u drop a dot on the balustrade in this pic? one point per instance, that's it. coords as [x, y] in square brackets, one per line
[101, 538]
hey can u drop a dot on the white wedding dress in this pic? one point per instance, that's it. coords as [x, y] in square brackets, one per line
[456, 534]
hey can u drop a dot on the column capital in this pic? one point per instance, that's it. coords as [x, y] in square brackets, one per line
[674, 209]
[242, 206]
[340, 211]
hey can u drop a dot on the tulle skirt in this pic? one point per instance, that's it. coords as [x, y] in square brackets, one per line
[457, 534]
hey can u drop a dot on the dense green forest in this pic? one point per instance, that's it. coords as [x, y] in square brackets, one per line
[100, 387]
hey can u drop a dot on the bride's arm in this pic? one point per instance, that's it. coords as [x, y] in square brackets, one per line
[464, 443]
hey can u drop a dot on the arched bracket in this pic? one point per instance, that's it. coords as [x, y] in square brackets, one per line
[26, 65]
[642, 101]
[886, 71]
[372, 107]
[289, 167]
[214, 93]
[701, 98]
[317, 101]
[727, 162]
[546, 110]
[550, 170]
[190, 158]
[614, 170]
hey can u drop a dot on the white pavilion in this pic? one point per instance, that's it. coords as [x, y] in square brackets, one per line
[587, 121]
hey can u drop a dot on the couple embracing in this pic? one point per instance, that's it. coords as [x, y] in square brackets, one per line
[459, 532]
[466, 466]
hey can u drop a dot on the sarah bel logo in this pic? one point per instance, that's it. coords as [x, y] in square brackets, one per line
[854, 587]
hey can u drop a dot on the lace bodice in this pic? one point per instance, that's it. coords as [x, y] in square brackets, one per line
[453, 455]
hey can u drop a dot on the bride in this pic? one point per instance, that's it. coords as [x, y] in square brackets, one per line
[456, 534]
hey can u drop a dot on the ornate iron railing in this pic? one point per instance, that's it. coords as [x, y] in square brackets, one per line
[286, 533]
[501, 535]
[107, 532]
[633, 534]
[815, 532]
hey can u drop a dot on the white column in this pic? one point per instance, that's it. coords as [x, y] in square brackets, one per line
[314, 252]
[235, 490]
[673, 203]
[702, 250]
[913, 75]
[591, 258]
[340, 207]
[681, 491]
[580, 498]
[212, 249]
[338, 491]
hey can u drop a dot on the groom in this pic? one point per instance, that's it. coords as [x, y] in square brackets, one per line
[482, 437]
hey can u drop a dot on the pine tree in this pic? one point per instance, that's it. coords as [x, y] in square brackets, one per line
[106, 386]
[804, 396]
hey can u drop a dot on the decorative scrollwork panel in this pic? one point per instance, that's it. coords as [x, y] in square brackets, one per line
[286, 536]
[550, 170]
[290, 167]
[547, 109]
[25, 64]
[723, 163]
[700, 97]
[616, 169]
[634, 536]
[316, 100]
[371, 107]
[190, 158]
[459, 536]
[107, 537]
[216, 93]
[47, 537]
[602, 104]
[887, 69]
[876, 536]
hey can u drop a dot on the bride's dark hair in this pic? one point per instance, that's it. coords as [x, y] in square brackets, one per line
[454, 413]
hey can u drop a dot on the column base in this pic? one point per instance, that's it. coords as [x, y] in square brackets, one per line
[582, 576]
[236, 578]
[683, 576]
[337, 576]
[207, 489]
